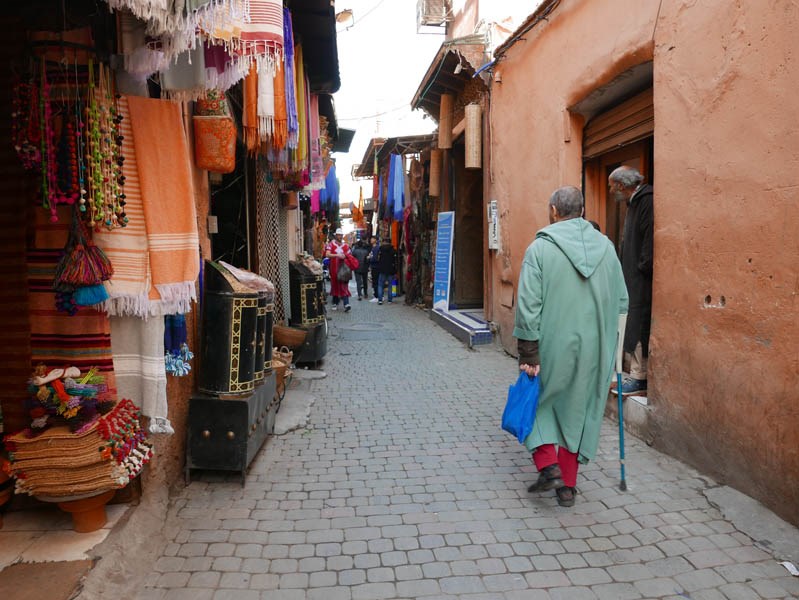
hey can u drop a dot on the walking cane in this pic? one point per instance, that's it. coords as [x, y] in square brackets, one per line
[619, 356]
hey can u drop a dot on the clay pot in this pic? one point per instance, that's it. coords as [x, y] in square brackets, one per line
[88, 514]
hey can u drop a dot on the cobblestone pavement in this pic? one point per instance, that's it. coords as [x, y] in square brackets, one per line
[403, 486]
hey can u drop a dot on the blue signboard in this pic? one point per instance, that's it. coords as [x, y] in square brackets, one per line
[441, 281]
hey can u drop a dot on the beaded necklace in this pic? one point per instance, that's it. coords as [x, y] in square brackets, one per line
[25, 124]
[104, 154]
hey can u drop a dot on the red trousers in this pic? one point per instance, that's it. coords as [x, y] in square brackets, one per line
[546, 455]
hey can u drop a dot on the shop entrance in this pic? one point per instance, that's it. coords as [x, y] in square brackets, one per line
[600, 207]
[467, 256]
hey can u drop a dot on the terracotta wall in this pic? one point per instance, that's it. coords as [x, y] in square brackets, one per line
[724, 372]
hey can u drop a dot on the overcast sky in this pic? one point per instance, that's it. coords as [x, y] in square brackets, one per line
[382, 61]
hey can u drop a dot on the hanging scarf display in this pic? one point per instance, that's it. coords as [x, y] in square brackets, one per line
[266, 103]
[250, 110]
[168, 197]
[301, 154]
[290, 86]
[281, 129]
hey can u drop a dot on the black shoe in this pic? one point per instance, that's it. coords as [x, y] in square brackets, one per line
[566, 495]
[549, 478]
[347, 308]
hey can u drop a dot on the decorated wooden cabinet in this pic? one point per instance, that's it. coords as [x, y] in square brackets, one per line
[235, 409]
[308, 297]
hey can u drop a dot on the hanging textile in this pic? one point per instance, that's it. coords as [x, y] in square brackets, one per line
[315, 201]
[266, 104]
[328, 197]
[250, 110]
[302, 111]
[138, 347]
[177, 355]
[127, 248]
[262, 35]
[290, 90]
[168, 197]
[281, 132]
[399, 186]
[392, 173]
[58, 339]
[184, 79]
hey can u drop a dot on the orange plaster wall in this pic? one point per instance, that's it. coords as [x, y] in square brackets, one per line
[724, 380]
[727, 219]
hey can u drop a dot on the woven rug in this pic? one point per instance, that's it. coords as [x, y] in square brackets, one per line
[58, 339]
[167, 192]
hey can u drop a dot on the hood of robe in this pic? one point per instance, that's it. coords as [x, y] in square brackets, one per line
[583, 245]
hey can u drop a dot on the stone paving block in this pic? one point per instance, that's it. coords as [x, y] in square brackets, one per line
[699, 580]
[373, 591]
[547, 579]
[173, 580]
[418, 588]
[255, 565]
[352, 577]
[572, 593]
[330, 593]
[189, 594]
[197, 563]
[616, 591]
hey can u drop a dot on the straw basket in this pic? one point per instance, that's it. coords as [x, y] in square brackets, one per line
[474, 129]
[434, 187]
[445, 121]
[281, 365]
[291, 337]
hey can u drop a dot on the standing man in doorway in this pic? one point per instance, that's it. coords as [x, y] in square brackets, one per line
[571, 293]
[627, 185]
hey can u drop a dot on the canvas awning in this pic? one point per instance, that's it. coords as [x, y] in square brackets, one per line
[408, 144]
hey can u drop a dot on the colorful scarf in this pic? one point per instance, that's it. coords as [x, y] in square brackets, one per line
[167, 192]
[127, 248]
[281, 133]
[250, 110]
[290, 85]
[302, 111]
[262, 35]
[266, 102]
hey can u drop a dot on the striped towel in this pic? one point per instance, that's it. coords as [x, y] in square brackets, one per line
[167, 193]
[263, 34]
[139, 367]
[126, 248]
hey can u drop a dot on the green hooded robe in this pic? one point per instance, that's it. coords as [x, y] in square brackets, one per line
[571, 293]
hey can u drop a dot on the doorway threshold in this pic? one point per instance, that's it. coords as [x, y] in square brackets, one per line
[468, 325]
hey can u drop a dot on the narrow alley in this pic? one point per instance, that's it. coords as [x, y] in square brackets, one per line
[403, 485]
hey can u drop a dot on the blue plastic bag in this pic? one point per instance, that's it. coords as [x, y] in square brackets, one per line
[519, 413]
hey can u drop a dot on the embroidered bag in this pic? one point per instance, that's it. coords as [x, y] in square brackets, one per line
[215, 143]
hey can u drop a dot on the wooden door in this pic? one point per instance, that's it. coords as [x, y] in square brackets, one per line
[467, 252]
[599, 206]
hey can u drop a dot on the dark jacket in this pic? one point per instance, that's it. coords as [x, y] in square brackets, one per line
[636, 263]
[362, 254]
[373, 252]
[386, 260]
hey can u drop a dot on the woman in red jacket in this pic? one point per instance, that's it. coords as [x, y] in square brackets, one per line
[337, 250]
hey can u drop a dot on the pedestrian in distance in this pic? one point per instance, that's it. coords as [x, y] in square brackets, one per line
[386, 267]
[337, 250]
[626, 184]
[373, 267]
[361, 252]
[571, 293]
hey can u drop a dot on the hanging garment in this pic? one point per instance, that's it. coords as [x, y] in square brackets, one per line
[138, 347]
[290, 89]
[249, 111]
[127, 248]
[281, 134]
[167, 191]
[184, 80]
[399, 186]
